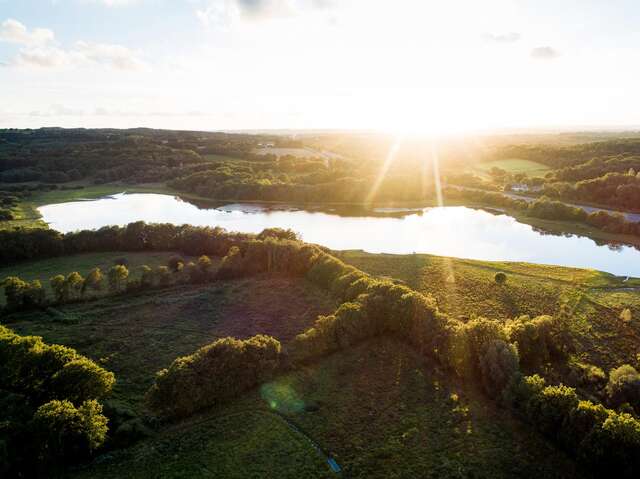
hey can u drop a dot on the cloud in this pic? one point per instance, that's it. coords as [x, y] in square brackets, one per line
[57, 110]
[226, 12]
[113, 3]
[82, 54]
[544, 53]
[12, 31]
[510, 37]
[116, 56]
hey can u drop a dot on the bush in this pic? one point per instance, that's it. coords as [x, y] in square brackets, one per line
[626, 316]
[624, 386]
[20, 294]
[278, 233]
[82, 379]
[500, 278]
[118, 275]
[213, 374]
[537, 340]
[65, 433]
[175, 262]
[499, 366]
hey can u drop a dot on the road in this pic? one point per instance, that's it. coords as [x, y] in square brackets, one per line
[633, 217]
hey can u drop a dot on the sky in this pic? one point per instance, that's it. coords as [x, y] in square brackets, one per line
[397, 65]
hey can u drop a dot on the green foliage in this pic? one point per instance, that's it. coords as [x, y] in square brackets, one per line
[54, 391]
[164, 276]
[82, 379]
[65, 433]
[20, 294]
[93, 281]
[538, 340]
[624, 386]
[626, 316]
[500, 278]
[147, 276]
[213, 374]
[606, 441]
[118, 275]
[498, 367]
[175, 262]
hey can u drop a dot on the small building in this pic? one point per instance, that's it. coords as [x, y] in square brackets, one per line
[519, 188]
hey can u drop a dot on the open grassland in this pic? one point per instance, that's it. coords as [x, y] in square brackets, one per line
[378, 409]
[43, 270]
[515, 165]
[465, 289]
[135, 335]
[235, 444]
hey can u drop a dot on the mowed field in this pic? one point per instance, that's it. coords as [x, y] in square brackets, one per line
[379, 410]
[465, 289]
[515, 165]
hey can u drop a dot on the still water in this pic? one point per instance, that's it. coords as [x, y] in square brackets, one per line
[449, 231]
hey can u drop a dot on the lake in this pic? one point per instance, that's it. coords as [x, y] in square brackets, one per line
[447, 231]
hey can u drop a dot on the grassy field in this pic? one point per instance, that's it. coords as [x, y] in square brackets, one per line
[243, 444]
[136, 335]
[514, 165]
[379, 410]
[82, 263]
[466, 289]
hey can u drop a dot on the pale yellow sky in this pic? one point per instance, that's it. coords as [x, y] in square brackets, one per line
[403, 65]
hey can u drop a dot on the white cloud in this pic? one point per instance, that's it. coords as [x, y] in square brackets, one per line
[40, 50]
[113, 3]
[510, 37]
[226, 12]
[544, 53]
[13, 31]
[116, 56]
[82, 54]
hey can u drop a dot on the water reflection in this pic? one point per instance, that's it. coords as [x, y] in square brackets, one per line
[449, 231]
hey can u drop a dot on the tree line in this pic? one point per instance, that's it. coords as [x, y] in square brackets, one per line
[23, 295]
[547, 208]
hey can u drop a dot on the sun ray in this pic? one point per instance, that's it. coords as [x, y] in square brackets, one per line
[389, 160]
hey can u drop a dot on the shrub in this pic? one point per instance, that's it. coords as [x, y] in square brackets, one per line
[93, 280]
[278, 233]
[20, 295]
[626, 316]
[551, 408]
[164, 275]
[498, 366]
[118, 275]
[66, 433]
[146, 276]
[82, 379]
[612, 448]
[500, 278]
[122, 261]
[537, 339]
[624, 386]
[213, 374]
[175, 262]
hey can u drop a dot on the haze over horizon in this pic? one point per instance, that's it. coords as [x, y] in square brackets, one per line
[408, 65]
